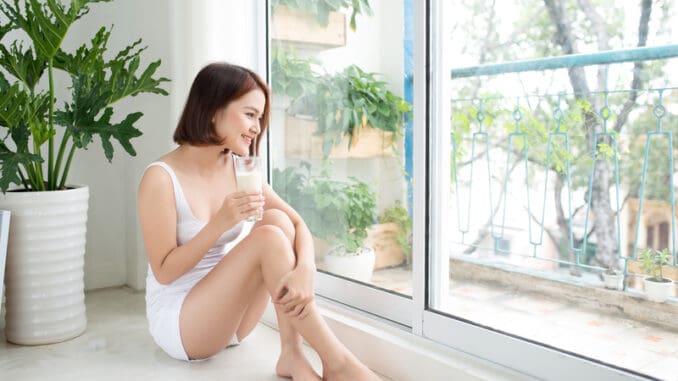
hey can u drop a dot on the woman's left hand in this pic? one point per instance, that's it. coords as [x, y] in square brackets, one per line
[295, 292]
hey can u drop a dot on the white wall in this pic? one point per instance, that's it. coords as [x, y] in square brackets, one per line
[185, 35]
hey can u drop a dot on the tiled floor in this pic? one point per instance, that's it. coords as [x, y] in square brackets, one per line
[117, 346]
[610, 338]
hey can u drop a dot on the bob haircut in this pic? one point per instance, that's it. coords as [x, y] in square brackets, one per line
[215, 86]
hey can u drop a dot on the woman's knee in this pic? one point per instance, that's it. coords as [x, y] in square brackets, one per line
[280, 219]
[274, 240]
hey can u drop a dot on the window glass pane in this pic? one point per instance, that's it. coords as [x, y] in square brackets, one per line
[340, 144]
[561, 179]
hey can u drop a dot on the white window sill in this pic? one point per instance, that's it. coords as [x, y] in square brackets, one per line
[398, 354]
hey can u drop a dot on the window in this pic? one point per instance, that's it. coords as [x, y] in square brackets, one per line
[520, 179]
[342, 123]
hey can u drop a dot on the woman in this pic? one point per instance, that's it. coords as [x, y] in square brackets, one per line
[210, 273]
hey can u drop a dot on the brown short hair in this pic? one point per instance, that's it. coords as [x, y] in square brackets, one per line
[215, 86]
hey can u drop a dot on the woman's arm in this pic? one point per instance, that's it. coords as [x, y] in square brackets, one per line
[158, 217]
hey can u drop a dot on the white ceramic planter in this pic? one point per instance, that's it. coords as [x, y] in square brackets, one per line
[658, 291]
[45, 265]
[358, 267]
[614, 281]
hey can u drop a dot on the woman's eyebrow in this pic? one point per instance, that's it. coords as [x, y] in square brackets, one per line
[253, 109]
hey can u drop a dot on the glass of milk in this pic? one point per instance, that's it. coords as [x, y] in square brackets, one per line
[248, 177]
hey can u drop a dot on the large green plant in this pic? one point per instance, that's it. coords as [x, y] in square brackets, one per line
[351, 99]
[28, 113]
[320, 9]
[337, 211]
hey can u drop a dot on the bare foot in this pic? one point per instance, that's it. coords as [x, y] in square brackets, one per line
[350, 370]
[293, 364]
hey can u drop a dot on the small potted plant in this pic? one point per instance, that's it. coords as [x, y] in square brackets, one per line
[613, 278]
[336, 211]
[391, 238]
[657, 287]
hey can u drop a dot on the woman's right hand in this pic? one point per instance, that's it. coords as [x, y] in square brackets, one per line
[238, 206]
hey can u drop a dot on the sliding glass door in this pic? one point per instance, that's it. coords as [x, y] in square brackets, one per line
[341, 143]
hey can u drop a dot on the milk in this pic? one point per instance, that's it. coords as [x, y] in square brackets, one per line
[248, 181]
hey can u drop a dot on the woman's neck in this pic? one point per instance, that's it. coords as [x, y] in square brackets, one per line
[201, 159]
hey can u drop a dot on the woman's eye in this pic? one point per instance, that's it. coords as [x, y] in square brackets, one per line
[250, 115]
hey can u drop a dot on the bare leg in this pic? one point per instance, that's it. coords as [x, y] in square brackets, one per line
[264, 256]
[292, 362]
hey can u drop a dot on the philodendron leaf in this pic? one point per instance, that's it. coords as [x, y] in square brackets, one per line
[22, 64]
[122, 132]
[45, 22]
[10, 164]
[4, 28]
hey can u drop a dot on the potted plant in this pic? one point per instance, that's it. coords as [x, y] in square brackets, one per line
[657, 287]
[336, 211]
[357, 116]
[292, 77]
[45, 288]
[315, 22]
[391, 238]
[613, 278]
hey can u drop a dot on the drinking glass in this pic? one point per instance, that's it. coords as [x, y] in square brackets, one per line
[248, 177]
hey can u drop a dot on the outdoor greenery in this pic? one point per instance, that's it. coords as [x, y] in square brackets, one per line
[652, 261]
[350, 100]
[320, 9]
[28, 113]
[337, 211]
[400, 216]
[342, 103]
[292, 76]
[526, 127]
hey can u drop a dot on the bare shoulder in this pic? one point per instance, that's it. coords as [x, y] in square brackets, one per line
[155, 187]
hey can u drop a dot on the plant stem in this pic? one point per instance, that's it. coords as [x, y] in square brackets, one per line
[51, 170]
[23, 178]
[68, 166]
[60, 155]
[39, 182]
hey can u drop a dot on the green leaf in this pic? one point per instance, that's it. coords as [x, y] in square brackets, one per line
[46, 22]
[10, 165]
[24, 65]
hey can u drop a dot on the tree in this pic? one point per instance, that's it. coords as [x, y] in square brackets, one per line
[551, 28]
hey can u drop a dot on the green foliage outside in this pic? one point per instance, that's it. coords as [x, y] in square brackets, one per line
[337, 211]
[320, 9]
[29, 114]
[342, 103]
[292, 76]
[400, 216]
[533, 34]
[652, 261]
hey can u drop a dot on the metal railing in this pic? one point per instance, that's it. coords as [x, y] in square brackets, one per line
[479, 110]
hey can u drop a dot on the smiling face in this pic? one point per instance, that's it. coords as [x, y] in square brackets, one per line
[239, 122]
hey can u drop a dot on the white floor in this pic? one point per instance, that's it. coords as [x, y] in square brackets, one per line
[117, 346]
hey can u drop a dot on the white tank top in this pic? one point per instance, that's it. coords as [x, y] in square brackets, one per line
[188, 227]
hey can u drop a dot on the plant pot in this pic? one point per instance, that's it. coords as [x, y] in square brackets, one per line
[358, 265]
[658, 291]
[384, 239]
[301, 29]
[301, 143]
[614, 281]
[45, 265]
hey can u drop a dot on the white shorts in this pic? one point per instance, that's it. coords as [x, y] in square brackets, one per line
[163, 320]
